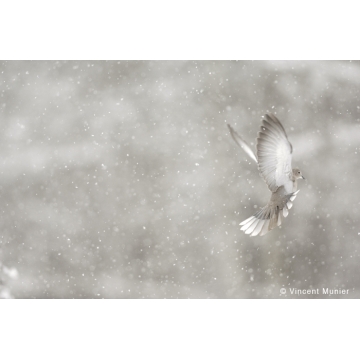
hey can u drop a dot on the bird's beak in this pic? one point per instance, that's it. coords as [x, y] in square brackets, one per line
[303, 177]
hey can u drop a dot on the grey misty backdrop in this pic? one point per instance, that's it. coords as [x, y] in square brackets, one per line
[120, 179]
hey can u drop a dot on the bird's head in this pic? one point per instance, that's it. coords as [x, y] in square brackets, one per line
[297, 174]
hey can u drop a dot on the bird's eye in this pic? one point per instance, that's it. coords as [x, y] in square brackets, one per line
[298, 172]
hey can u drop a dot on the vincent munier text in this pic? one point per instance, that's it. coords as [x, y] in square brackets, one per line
[323, 291]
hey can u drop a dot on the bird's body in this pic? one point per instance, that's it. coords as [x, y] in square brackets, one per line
[274, 152]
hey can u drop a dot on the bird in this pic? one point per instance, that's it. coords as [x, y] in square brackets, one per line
[273, 157]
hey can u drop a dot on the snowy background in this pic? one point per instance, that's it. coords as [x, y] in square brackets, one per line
[120, 179]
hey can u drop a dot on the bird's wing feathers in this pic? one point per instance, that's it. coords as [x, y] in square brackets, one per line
[274, 153]
[242, 143]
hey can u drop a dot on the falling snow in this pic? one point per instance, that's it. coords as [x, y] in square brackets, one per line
[120, 179]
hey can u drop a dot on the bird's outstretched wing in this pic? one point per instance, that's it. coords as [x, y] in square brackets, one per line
[274, 153]
[242, 143]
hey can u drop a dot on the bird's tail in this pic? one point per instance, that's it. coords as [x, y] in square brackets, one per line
[267, 218]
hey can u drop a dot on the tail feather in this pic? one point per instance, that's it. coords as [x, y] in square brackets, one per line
[252, 227]
[265, 228]
[248, 224]
[267, 218]
[258, 228]
[285, 211]
[274, 214]
[247, 220]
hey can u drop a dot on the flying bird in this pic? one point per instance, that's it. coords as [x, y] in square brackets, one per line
[273, 156]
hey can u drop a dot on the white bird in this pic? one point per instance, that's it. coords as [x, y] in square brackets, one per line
[274, 153]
